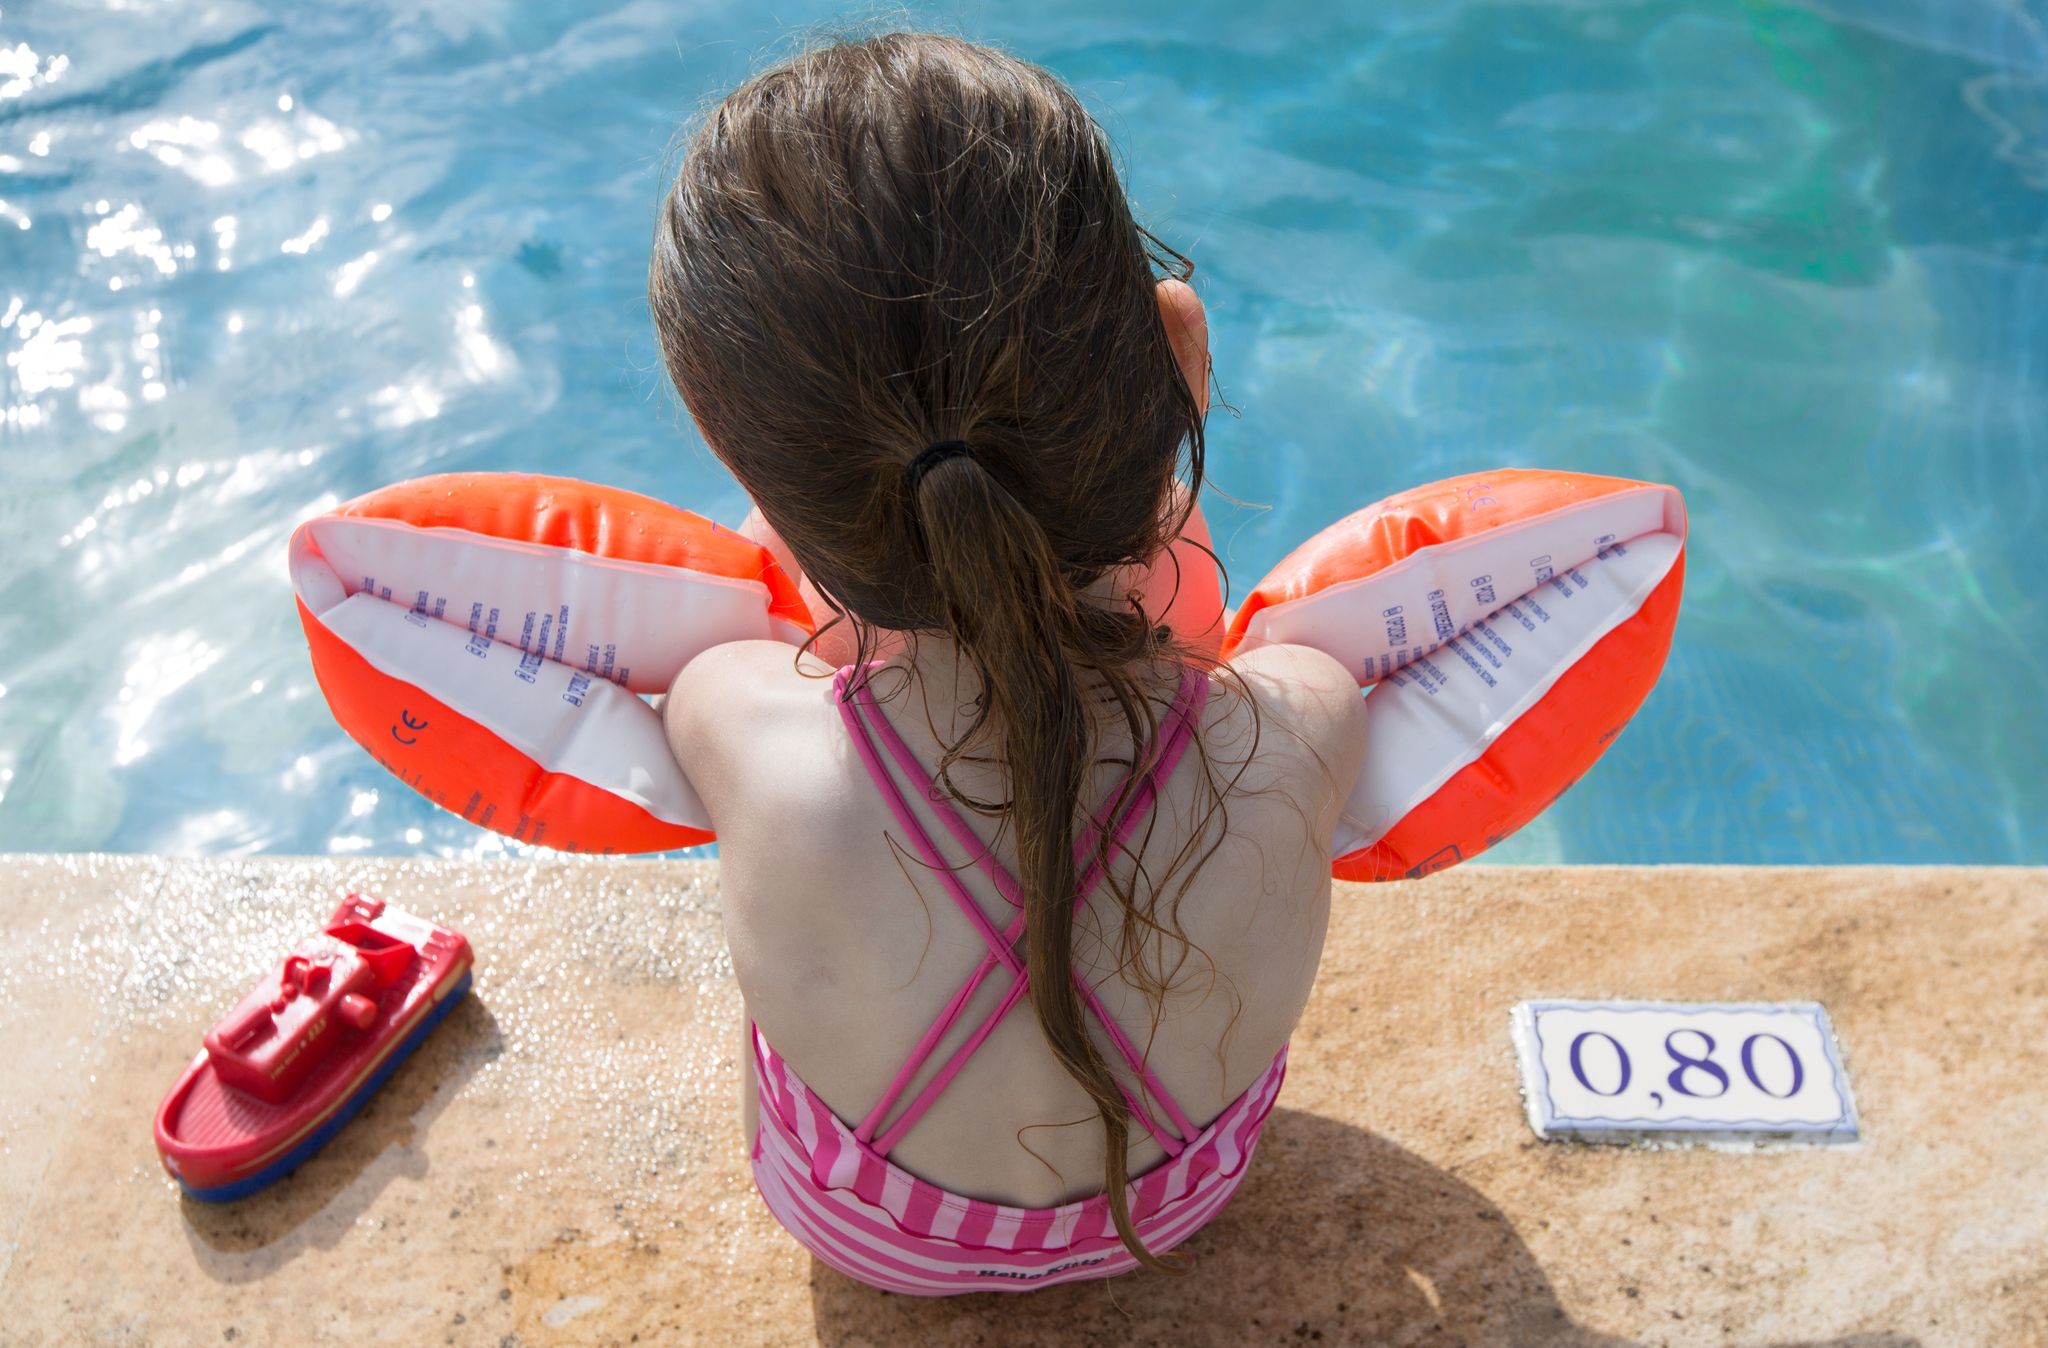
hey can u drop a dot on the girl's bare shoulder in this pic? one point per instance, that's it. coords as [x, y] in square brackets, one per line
[740, 705]
[1309, 711]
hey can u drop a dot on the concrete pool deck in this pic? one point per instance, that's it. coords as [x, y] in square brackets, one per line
[560, 1162]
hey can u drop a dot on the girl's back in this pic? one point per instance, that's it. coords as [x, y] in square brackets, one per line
[847, 947]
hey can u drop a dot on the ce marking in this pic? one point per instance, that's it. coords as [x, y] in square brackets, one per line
[405, 719]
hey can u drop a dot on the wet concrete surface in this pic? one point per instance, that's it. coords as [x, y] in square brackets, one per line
[560, 1162]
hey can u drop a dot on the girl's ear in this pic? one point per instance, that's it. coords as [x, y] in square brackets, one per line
[1187, 328]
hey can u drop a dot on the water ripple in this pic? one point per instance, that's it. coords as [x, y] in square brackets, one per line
[255, 260]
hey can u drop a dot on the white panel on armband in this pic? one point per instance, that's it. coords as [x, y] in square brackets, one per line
[631, 623]
[1441, 710]
[1386, 620]
[562, 718]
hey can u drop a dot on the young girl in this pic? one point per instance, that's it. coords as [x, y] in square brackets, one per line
[899, 287]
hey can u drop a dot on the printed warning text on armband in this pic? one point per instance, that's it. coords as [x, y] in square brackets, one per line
[1514, 611]
[1464, 646]
[1397, 627]
[1378, 667]
[579, 684]
[476, 812]
[482, 631]
[600, 660]
[1482, 590]
[1468, 641]
[429, 605]
[1483, 628]
[561, 630]
[1420, 672]
[529, 666]
[1605, 547]
[1541, 566]
[1440, 614]
[1570, 583]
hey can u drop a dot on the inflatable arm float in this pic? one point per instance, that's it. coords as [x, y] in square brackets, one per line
[1512, 622]
[487, 638]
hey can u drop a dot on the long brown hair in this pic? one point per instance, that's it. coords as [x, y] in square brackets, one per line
[911, 240]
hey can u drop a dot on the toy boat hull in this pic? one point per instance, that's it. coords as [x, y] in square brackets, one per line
[222, 1143]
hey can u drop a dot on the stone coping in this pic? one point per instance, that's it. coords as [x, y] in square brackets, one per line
[560, 1163]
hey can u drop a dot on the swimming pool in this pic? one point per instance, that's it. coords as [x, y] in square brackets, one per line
[255, 259]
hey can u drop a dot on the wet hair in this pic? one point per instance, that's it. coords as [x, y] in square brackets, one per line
[908, 242]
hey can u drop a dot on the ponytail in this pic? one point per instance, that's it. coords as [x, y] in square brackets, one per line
[1022, 624]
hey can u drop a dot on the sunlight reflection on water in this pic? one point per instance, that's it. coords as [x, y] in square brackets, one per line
[256, 259]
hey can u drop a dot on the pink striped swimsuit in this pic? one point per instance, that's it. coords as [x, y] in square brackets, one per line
[833, 1186]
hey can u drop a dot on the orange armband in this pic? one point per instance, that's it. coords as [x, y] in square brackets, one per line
[486, 635]
[1508, 623]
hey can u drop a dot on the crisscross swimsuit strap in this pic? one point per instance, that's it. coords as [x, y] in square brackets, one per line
[867, 724]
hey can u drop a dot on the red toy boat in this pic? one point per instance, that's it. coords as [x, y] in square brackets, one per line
[294, 1061]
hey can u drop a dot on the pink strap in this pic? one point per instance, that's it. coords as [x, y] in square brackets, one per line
[854, 698]
[1166, 754]
[1003, 951]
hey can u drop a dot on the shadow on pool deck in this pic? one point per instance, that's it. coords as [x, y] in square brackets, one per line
[560, 1161]
[1400, 1252]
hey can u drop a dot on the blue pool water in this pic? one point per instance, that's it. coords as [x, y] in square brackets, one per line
[258, 258]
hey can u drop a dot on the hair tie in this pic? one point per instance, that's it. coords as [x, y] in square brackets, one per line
[929, 458]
